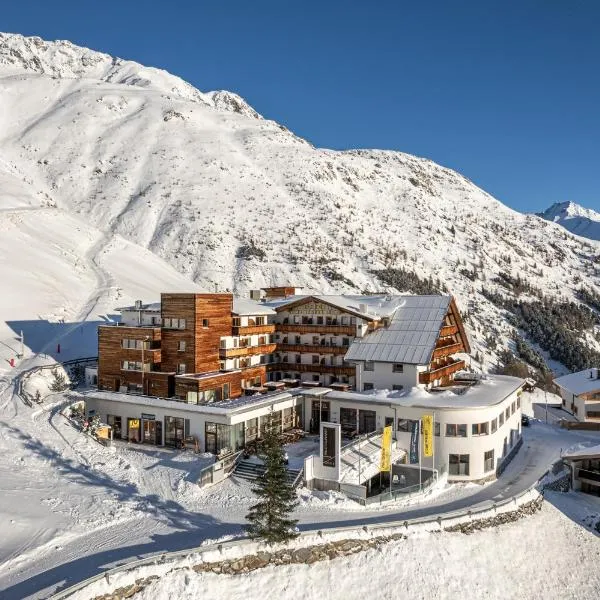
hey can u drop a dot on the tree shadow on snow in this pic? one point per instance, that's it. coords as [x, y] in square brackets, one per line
[194, 527]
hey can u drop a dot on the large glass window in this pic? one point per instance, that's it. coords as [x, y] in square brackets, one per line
[176, 428]
[406, 425]
[398, 368]
[479, 428]
[458, 464]
[453, 430]
[494, 425]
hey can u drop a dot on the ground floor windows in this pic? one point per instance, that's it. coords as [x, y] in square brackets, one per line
[453, 430]
[222, 439]
[458, 464]
[367, 421]
[406, 425]
[133, 430]
[319, 412]
[488, 461]
[115, 422]
[151, 431]
[176, 429]
[367, 387]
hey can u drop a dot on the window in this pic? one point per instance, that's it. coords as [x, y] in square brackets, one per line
[367, 386]
[298, 358]
[479, 428]
[397, 388]
[458, 464]
[593, 414]
[170, 323]
[316, 377]
[205, 323]
[133, 365]
[315, 340]
[406, 425]
[298, 340]
[494, 425]
[344, 320]
[501, 419]
[192, 397]
[319, 320]
[453, 430]
[436, 427]
[260, 320]
[181, 346]
[345, 341]
[518, 401]
[315, 359]
[507, 413]
[181, 368]
[369, 365]
[488, 461]
[237, 322]
[398, 368]
[512, 408]
[297, 319]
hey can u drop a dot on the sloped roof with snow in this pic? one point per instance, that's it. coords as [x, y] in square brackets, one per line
[246, 306]
[411, 336]
[370, 307]
[578, 383]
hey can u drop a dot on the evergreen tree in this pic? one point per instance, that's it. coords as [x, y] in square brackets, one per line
[59, 384]
[269, 518]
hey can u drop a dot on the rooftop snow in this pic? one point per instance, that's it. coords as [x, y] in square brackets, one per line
[411, 336]
[485, 393]
[376, 306]
[590, 452]
[578, 383]
[246, 306]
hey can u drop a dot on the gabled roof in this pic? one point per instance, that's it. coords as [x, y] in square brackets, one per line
[371, 308]
[411, 336]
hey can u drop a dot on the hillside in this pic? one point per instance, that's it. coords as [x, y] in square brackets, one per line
[195, 186]
[581, 221]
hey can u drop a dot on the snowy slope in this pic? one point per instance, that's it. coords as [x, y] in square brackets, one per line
[232, 202]
[581, 221]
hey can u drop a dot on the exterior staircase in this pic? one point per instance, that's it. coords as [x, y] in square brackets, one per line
[250, 471]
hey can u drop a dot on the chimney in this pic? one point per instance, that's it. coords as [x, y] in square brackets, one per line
[363, 308]
[138, 305]
[594, 373]
[255, 295]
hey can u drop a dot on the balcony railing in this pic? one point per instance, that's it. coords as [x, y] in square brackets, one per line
[313, 348]
[253, 329]
[247, 351]
[449, 330]
[447, 350]
[306, 328]
[316, 368]
[441, 372]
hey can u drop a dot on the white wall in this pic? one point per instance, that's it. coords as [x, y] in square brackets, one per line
[473, 445]
[131, 317]
[384, 378]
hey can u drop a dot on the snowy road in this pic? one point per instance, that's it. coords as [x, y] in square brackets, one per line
[157, 522]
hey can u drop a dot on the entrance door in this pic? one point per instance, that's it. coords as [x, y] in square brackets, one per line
[133, 430]
[158, 433]
[149, 432]
[366, 421]
[211, 443]
[320, 412]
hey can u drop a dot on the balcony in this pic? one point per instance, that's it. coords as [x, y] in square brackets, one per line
[253, 329]
[153, 354]
[446, 350]
[305, 328]
[449, 330]
[313, 348]
[441, 372]
[309, 368]
[247, 351]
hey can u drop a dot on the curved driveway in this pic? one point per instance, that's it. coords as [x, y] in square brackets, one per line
[542, 445]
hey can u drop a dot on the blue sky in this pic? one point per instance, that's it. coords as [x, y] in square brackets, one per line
[505, 91]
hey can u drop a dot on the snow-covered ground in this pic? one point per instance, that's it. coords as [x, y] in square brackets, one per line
[548, 555]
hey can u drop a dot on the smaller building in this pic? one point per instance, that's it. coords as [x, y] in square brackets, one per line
[580, 393]
[585, 469]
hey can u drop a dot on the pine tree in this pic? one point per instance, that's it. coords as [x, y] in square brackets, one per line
[59, 384]
[269, 518]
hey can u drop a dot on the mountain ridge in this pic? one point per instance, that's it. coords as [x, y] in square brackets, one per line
[233, 202]
[577, 219]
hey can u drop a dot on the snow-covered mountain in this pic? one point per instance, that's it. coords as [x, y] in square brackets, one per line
[119, 180]
[581, 221]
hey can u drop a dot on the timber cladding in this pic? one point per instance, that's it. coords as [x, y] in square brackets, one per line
[207, 319]
[111, 353]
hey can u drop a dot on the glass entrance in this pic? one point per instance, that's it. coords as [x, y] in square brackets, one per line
[152, 432]
[320, 412]
[174, 431]
[366, 421]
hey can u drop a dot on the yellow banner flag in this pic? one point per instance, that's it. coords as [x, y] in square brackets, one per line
[386, 450]
[427, 421]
